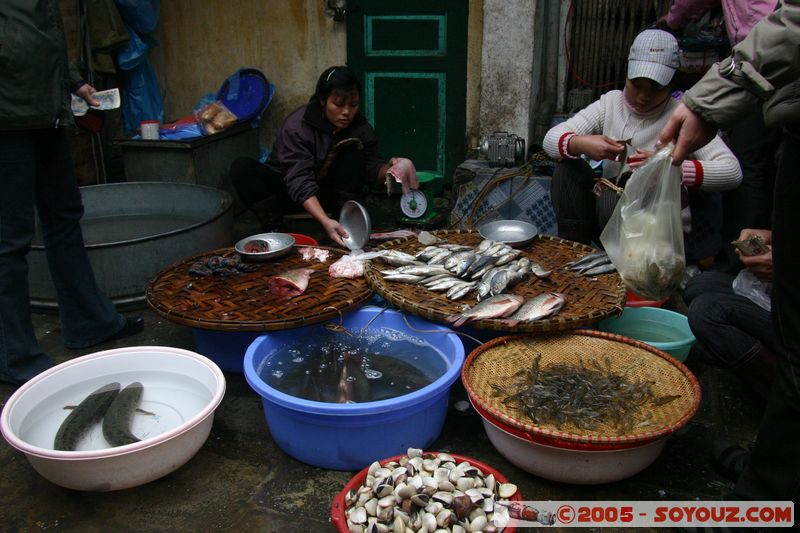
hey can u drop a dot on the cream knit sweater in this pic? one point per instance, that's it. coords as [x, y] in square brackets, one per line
[711, 168]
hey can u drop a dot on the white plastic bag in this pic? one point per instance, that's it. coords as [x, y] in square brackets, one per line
[748, 285]
[644, 236]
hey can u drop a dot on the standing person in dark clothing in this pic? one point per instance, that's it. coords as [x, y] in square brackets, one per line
[763, 69]
[325, 153]
[751, 141]
[36, 170]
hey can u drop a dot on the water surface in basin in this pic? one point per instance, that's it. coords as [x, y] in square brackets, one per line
[374, 364]
[120, 228]
[168, 400]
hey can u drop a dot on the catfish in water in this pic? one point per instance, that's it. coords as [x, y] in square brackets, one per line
[84, 416]
[118, 418]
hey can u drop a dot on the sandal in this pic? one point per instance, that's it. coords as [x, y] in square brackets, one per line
[729, 459]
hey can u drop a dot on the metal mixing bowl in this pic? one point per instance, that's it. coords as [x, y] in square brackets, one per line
[513, 232]
[355, 220]
[279, 244]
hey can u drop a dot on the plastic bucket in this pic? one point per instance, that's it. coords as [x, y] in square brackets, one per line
[634, 300]
[304, 240]
[351, 436]
[661, 328]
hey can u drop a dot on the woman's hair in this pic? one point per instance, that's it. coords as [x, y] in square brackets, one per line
[336, 79]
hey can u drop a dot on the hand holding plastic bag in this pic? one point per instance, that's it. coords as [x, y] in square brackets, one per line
[644, 236]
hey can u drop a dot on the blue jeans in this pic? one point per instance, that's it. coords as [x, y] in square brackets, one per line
[36, 169]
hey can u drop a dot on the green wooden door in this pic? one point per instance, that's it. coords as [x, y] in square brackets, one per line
[412, 56]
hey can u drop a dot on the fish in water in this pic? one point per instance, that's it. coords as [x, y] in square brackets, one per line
[290, 283]
[117, 420]
[501, 305]
[84, 416]
[542, 306]
[350, 375]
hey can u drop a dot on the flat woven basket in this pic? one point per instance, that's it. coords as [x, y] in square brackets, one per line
[243, 302]
[589, 299]
[497, 361]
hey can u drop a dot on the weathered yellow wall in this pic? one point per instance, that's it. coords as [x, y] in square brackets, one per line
[204, 41]
[290, 41]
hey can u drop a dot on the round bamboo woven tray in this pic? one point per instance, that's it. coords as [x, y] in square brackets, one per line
[243, 302]
[589, 299]
[499, 360]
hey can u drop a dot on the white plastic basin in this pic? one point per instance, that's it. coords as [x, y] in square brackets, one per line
[181, 390]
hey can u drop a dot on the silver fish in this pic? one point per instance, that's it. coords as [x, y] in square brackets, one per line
[507, 257]
[440, 257]
[452, 262]
[542, 306]
[445, 284]
[459, 291]
[430, 280]
[498, 282]
[539, 271]
[592, 264]
[498, 306]
[398, 258]
[600, 269]
[404, 278]
[422, 270]
[484, 245]
[464, 263]
[585, 259]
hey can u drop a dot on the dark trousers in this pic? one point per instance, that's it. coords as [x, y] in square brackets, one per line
[750, 204]
[774, 469]
[36, 169]
[730, 327]
[580, 214]
[264, 192]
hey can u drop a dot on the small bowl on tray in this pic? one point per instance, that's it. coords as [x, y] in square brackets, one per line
[264, 246]
[512, 232]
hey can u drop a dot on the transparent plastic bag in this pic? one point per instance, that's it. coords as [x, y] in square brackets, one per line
[215, 117]
[748, 285]
[644, 236]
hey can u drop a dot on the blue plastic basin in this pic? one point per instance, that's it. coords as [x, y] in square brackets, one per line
[351, 436]
[225, 348]
[661, 328]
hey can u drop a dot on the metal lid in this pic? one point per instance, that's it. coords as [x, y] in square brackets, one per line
[355, 221]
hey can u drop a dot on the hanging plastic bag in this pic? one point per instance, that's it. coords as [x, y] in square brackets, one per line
[644, 236]
[748, 285]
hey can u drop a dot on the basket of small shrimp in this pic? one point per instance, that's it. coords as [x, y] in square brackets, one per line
[583, 407]
[430, 491]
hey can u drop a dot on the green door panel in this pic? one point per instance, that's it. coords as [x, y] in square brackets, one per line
[412, 58]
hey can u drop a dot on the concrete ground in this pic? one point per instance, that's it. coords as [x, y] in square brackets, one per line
[240, 480]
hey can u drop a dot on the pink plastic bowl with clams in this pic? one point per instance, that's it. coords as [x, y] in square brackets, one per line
[182, 389]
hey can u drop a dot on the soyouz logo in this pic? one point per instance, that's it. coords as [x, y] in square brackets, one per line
[756, 514]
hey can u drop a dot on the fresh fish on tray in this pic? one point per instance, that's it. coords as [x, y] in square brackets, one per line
[542, 306]
[499, 306]
[290, 283]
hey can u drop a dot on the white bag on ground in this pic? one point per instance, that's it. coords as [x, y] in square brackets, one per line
[644, 236]
[748, 285]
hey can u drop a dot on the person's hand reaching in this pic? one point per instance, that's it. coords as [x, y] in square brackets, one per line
[335, 231]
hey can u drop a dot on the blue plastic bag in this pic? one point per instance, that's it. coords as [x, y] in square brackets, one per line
[141, 97]
[140, 15]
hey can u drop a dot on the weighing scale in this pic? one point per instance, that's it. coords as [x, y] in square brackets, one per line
[417, 204]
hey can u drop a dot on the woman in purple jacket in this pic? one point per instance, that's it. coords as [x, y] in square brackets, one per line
[325, 153]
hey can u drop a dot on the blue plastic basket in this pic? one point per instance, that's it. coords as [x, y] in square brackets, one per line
[352, 436]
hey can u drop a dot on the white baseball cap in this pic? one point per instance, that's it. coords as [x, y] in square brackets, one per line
[654, 55]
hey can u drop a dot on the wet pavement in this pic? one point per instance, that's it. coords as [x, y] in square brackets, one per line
[241, 480]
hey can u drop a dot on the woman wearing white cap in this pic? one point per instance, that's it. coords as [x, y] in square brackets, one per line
[635, 115]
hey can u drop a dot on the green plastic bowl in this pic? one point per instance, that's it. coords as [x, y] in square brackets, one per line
[663, 329]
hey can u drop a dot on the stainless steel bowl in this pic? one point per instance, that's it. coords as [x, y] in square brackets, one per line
[280, 244]
[355, 220]
[513, 232]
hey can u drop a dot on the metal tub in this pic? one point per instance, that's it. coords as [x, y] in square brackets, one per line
[134, 230]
